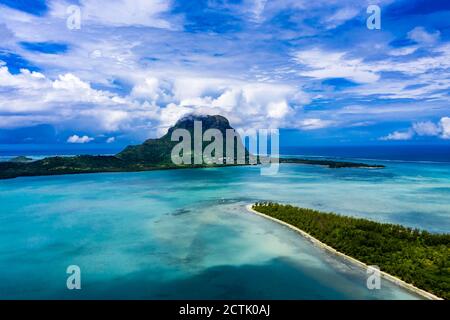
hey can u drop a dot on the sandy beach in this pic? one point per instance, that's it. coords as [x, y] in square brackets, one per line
[387, 276]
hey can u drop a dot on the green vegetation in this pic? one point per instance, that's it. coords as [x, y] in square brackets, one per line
[415, 256]
[153, 154]
[330, 163]
[21, 159]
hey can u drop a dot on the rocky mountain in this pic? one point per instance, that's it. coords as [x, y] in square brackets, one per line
[158, 151]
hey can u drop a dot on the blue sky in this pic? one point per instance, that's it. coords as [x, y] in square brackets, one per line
[310, 68]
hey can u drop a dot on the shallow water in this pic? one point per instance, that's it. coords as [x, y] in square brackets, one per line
[187, 234]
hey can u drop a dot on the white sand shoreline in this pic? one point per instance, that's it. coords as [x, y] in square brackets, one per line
[387, 276]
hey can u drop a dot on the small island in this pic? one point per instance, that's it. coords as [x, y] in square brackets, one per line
[331, 163]
[409, 257]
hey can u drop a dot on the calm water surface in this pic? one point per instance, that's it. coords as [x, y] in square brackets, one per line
[186, 233]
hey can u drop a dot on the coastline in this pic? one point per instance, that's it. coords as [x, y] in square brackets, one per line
[63, 166]
[397, 281]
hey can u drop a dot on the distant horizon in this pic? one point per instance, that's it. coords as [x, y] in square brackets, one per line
[391, 152]
[288, 137]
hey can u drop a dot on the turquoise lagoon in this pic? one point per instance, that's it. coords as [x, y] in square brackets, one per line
[185, 234]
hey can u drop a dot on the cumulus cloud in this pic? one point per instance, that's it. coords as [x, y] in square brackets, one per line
[149, 89]
[77, 139]
[426, 128]
[255, 103]
[24, 89]
[399, 135]
[65, 98]
[110, 140]
[445, 125]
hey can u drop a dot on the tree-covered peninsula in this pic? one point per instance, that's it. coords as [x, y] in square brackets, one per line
[417, 257]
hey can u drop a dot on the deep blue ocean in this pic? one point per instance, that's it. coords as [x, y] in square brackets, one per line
[433, 153]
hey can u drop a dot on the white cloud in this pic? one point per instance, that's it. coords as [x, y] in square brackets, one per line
[404, 51]
[342, 15]
[110, 140]
[325, 64]
[428, 78]
[258, 10]
[399, 135]
[32, 91]
[426, 128]
[254, 103]
[229, 99]
[278, 110]
[150, 89]
[77, 139]
[119, 12]
[62, 99]
[420, 35]
[107, 119]
[445, 125]
[25, 79]
[314, 123]
[422, 39]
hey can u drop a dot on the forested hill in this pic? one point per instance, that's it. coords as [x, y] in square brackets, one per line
[158, 151]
